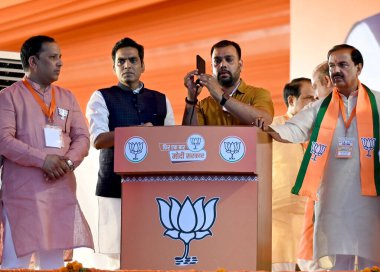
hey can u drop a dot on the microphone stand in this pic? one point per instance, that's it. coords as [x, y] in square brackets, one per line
[197, 86]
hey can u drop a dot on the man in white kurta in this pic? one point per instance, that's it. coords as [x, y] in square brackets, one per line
[347, 224]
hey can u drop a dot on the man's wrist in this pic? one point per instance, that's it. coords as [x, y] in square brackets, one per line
[191, 102]
[224, 99]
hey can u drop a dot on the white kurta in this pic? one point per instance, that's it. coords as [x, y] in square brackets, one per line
[345, 221]
[288, 210]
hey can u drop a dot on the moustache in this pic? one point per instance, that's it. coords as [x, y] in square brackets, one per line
[337, 74]
[224, 71]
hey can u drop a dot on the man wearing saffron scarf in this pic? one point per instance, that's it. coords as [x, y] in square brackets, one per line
[340, 169]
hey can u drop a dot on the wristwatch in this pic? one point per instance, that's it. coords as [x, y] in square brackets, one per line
[70, 164]
[191, 102]
[225, 97]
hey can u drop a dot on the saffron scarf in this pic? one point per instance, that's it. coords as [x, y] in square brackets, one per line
[314, 161]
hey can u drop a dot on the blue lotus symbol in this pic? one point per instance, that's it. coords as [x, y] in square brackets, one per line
[187, 221]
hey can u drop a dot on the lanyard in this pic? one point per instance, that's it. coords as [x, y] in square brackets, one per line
[47, 111]
[347, 123]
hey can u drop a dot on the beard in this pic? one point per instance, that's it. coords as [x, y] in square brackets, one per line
[226, 81]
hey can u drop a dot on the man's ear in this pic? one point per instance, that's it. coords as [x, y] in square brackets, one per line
[291, 100]
[142, 67]
[327, 81]
[241, 64]
[32, 62]
[360, 67]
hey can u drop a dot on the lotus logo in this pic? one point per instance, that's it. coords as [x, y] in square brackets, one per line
[195, 142]
[232, 149]
[368, 145]
[317, 150]
[135, 149]
[186, 222]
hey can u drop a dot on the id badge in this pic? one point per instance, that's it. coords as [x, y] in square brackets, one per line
[345, 147]
[53, 136]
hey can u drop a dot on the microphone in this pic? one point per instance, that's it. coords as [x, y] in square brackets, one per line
[198, 83]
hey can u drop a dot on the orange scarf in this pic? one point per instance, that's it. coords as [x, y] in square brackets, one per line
[314, 161]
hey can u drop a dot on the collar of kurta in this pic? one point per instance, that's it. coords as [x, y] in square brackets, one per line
[241, 87]
[126, 88]
[37, 87]
[316, 155]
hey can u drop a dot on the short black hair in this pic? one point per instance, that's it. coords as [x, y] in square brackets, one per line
[128, 42]
[356, 56]
[32, 47]
[293, 88]
[225, 43]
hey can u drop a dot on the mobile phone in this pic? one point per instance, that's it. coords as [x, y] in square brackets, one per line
[201, 65]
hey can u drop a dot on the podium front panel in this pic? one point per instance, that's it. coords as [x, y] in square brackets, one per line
[173, 175]
[231, 243]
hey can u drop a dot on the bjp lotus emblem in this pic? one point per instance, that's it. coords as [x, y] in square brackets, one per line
[186, 222]
[368, 145]
[317, 150]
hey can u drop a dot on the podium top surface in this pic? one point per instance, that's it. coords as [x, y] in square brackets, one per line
[185, 149]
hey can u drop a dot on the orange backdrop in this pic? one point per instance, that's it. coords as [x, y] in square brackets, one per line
[172, 32]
